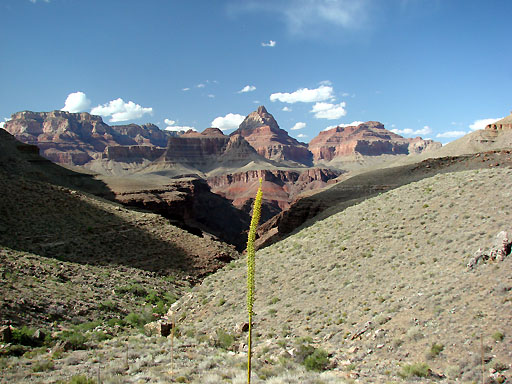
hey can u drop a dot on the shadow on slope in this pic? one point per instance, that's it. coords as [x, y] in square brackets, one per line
[56, 222]
[17, 158]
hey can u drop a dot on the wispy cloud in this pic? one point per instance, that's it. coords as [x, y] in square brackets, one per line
[286, 109]
[185, 89]
[426, 130]
[230, 121]
[301, 135]
[299, 125]
[329, 111]
[451, 134]
[119, 110]
[76, 102]
[302, 16]
[247, 88]
[35, 1]
[482, 123]
[304, 95]
[271, 43]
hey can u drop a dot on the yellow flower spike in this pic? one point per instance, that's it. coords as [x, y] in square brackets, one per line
[256, 214]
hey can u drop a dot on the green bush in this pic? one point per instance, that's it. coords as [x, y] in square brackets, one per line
[76, 339]
[435, 350]
[81, 379]
[135, 289]
[317, 361]
[108, 305]
[417, 370]
[24, 336]
[498, 336]
[42, 366]
[224, 340]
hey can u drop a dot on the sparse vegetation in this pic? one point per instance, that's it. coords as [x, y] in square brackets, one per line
[414, 370]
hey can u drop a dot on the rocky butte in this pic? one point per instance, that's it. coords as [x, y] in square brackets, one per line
[261, 130]
[368, 139]
[78, 138]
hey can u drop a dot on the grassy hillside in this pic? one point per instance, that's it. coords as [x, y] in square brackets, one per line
[381, 287]
[398, 261]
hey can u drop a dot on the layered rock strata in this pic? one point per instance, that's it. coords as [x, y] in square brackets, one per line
[262, 132]
[366, 139]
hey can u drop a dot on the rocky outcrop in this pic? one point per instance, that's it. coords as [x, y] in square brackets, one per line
[132, 153]
[262, 132]
[280, 187]
[77, 138]
[366, 139]
[504, 124]
[207, 151]
[190, 204]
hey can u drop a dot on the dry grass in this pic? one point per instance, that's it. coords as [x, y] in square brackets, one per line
[396, 260]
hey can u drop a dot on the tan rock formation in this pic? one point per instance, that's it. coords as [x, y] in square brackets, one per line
[262, 132]
[500, 125]
[366, 139]
[78, 138]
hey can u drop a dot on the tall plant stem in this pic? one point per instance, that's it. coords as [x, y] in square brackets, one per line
[249, 352]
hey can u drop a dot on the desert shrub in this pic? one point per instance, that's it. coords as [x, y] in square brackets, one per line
[24, 336]
[108, 305]
[81, 379]
[414, 370]
[76, 339]
[42, 366]
[89, 326]
[134, 319]
[435, 350]
[224, 340]
[135, 289]
[317, 361]
[498, 336]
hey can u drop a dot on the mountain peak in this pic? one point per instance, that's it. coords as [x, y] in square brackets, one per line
[262, 110]
[259, 118]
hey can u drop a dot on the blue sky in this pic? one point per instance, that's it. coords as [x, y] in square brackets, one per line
[435, 68]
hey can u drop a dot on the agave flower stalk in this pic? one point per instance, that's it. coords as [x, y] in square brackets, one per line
[256, 214]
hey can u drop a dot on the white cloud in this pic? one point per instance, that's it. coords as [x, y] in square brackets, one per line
[308, 16]
[200, 85]
[76, 102]
[230, 121]
[451, 134]
[35, 1]
[299, 125]
[301, 136]
[118, 110]
[176, 128]
[211, 96]
[271, 43]
[329, 111]
[185, 89]
[482, 123]
[352, 124]
[408, 131]
[6, 119]
[305, 95]
[247, 88]
[286, 109]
